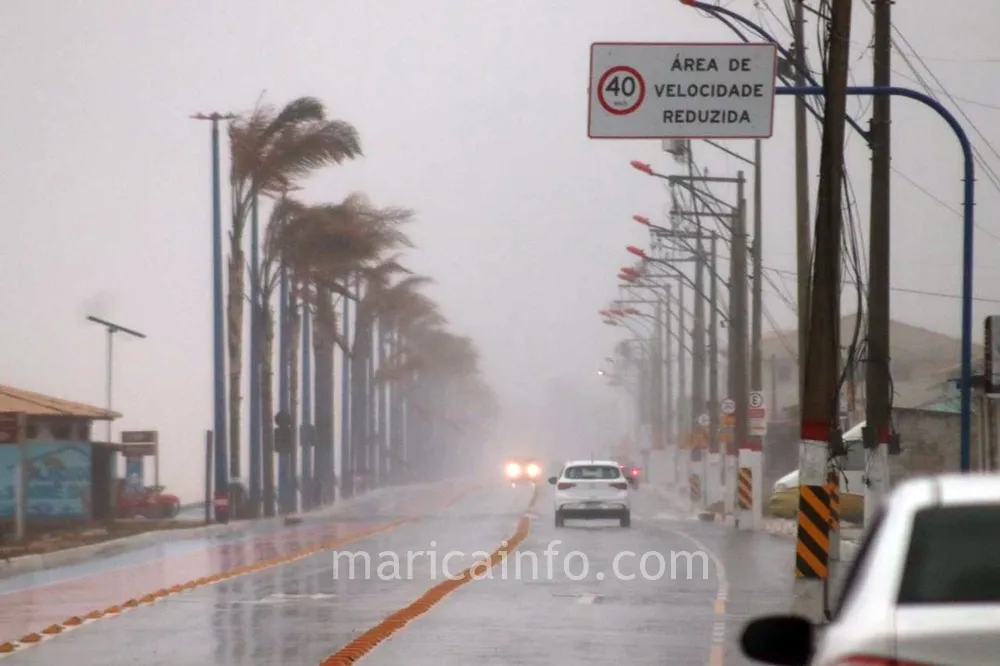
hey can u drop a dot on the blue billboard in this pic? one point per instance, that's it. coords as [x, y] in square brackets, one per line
[58, 479]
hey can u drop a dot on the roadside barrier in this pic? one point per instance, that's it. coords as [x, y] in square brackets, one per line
[75, 622]
[812, 547]
[694, 483]
[367, 641]
[744, 489]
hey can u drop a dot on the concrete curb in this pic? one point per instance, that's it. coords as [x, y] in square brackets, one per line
[60, 558]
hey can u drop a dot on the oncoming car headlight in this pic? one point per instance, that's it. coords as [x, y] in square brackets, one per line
[513, 469]
[533, 470]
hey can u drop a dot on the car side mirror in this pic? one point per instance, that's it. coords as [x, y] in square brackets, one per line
[783, 640]
[552, 480]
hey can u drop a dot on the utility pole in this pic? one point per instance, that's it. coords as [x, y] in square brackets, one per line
[756, 363]
[877, 366]
[698, 337]
[672, 429]
[822, 353]
[738, 380]
[803, 240]
[713, 352]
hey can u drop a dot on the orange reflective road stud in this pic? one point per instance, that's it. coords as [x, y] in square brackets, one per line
[812, 547]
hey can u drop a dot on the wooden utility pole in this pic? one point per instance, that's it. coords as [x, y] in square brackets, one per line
[803, 244]
[877, 399]
[822, 352]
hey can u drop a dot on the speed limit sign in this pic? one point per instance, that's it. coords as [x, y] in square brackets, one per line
[728, 406]
[620, 90]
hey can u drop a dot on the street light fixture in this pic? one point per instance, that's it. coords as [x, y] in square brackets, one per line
[112, 329]
[641, 219]
[642, 166]
[639, 252]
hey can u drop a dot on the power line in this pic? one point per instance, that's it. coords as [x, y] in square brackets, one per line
[903, 290]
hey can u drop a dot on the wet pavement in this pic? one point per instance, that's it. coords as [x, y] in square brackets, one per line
[541, 607]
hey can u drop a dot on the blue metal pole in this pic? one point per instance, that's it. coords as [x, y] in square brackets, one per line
[221, 497]
[256, 452]
[306, 440]
[968, 219]
[283, 394]
[346, 453]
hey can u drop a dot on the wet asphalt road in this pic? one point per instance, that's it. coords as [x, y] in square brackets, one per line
[300, 612]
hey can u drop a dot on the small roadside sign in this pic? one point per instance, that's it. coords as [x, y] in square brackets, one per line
[757, 414]
[728, 406]
[704, 421]
[681, 91]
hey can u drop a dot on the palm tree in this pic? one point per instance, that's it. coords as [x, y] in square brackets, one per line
[322, 246]
[269, 151]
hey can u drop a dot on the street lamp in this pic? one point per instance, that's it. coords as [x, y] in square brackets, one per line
[639, 252]
[112, 329]
[642, 220]
[642, 166]
[221, 498]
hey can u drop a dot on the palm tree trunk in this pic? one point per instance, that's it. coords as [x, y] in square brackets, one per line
[267, 403]
[346, 442]
[234, 316]
[294, 345]
[371, 429]
[382, 423]
[324, 325]
[359, 406]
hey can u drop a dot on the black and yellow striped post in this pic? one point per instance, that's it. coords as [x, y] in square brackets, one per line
[744, 489]
[694, 483]
[812, 547]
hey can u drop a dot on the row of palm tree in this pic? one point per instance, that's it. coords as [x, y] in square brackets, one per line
[412, 394]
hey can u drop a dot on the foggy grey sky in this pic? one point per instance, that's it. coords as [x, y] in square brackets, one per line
[471, 112]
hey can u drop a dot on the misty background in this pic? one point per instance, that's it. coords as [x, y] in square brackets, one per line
[471, 112]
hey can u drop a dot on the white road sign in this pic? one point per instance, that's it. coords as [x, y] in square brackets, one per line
[756, 399]
[681, 91]
[704, 421]
[728, 406]
[758, 414]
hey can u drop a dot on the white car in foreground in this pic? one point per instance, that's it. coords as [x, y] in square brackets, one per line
[923, 590]
[592, 490]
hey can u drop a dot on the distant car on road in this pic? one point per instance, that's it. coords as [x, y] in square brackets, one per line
[592, 490]
[522, 471]
[924, 587]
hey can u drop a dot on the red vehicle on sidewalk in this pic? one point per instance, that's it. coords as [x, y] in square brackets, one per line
[145, 502]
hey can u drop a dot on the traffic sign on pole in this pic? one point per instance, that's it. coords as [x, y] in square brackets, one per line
[681, 91]
[704, 421]
[728, 406]
[758, 414]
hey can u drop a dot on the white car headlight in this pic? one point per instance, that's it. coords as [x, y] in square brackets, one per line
[533, 470]
[513, 469]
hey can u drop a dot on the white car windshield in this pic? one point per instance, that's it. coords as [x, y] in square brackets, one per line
[584, 472]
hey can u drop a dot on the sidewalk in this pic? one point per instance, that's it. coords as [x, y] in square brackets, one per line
[779, 527]
[16, 566]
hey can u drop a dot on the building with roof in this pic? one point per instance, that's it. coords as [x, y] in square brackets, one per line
[921, 363]
[69, 476]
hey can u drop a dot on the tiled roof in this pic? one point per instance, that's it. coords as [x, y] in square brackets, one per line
[36, 404]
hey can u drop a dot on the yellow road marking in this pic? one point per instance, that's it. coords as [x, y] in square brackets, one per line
[370, 639]
[36, 638]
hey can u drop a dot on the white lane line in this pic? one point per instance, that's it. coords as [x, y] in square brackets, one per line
[586, 599]
[716, 654]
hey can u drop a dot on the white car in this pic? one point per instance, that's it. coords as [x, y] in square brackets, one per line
[592, 490]
[924, 588]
